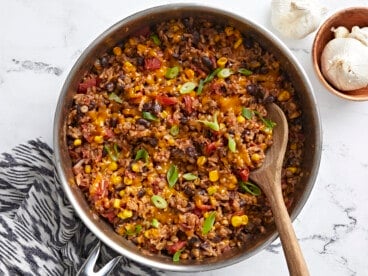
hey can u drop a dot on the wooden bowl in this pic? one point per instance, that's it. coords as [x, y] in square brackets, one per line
[356, 16]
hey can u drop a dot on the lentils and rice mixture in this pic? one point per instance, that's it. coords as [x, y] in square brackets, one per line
[165, 128]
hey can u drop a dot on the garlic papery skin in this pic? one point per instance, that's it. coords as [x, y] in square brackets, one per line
[296, 18]
[344, 63]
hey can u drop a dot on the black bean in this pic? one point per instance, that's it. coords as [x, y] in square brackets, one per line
[141, 192]
[143, 122]
[248, 42]
[120, 87]
[188, 23]
[194, 241]
[110, 86]
[207, 62]
[104, 152]
[264, 70]
[113, 122]
[252, 89]
[156, 108]
[184, 119]
[191, 151]
[189, 190]
[196, 38]
[140, 61]
[104, 61]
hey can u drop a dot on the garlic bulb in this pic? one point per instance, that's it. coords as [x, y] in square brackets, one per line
[360, 34]
[296, 18]
[344, 63]
[340, 31]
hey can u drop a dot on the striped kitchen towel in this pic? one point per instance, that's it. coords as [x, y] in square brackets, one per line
[39, 232]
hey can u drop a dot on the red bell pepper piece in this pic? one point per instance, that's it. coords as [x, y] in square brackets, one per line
[244, 174]
[188, 103]
[176, 247]
[165, 100]
[82, 87]
[152, 63]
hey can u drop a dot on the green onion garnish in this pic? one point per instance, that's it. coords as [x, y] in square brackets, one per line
[225, 73]
[155, 39]
[141, 154]
[187, 87]
[174, 130]
[208, 223]
[231, 144]
[211, 76]
[250, 188]
[247, 113]
[245, 72]
[176, 256]
[148, 116]
[267, 122]
[114, 97]
[113, 154]
[159, 201]
[212, 125]
[137, 229]
[190, 176]
[200, 87]
[172, 72]
[172, 175]
[155, 223]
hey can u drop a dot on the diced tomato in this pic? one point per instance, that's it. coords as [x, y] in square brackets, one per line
[188, 101]
[82, 87]
[152, 63]
[145, 31]
[210, 148]
[109, 216]
[244, 174]
[176, 247]
[204, 207]
[164, 100]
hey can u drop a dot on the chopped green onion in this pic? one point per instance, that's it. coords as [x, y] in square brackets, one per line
[212, 125]
[176, 256]
[174, 130]
[172, 72]
[148, 116]
[155, 223]
[190, 176]
[159, 201]
[231, 144]
[245, 72]
[211, 76]
[155, 39]
[267, 122]
[247, 113]
[116, 98]
[208, 223]
[141, 154]
[113, 154]
[200, 87]
[172, 175]
[250, 188]
[187, 87]
[225, 73]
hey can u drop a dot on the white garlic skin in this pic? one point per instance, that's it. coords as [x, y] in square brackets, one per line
[296, 18]
[344, 63]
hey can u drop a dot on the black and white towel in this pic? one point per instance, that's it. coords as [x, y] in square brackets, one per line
[39, 232]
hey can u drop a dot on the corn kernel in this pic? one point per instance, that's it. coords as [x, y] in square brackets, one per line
[116, 203]
[292, 169]
[171, 141]
[237, 221]
[141, 49]
[151, 233]
[212, 189]
[117, 51]
[127, 180]
[284, 96]
[150, 80]
[98, 139]
[121, 193]
[213, 175]
[201, 160]
[113, 166]
[116, 179]
[128, 66]
[77, 142]
[213, 201]
[189, 73]
[164, 114]
[125, 214]
[136, 167]
[229, 31]
[87, 169]
[240, 119]
[221, 62]
[238, 43]
[293, 146]
[255, 157]
[217, 38]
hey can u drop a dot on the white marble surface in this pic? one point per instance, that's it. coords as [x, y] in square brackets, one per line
[41, 39]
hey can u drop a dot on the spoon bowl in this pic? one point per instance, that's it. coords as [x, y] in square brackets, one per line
[268, 177]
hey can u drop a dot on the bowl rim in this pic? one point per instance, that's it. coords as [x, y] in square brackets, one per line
[316, 58]
[145, 260]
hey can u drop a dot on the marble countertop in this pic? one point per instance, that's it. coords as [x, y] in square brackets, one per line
[40, 41]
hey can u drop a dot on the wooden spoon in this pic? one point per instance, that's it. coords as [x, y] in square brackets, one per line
[268, 177]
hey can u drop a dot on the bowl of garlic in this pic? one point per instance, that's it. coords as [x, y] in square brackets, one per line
[340, 53]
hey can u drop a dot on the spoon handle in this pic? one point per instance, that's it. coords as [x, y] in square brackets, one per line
[293, 254]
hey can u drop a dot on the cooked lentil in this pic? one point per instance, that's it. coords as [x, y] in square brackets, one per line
[165, 129]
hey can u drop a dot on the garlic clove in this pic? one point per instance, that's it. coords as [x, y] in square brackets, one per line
[360, 34]
[296, 18]
[344, 63]
[340, 31]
